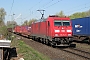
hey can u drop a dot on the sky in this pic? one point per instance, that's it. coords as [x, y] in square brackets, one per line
[27, 9]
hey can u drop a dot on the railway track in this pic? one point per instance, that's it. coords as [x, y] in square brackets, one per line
[78, 52]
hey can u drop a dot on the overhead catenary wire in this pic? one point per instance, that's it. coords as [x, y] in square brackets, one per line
[78, 9]
[31, 12]
[11, 7]
[43, 5]
[69, 11]
[47, 6]
[80, 5]
[36, 4]
[47, 3]
[52, 4]
[56, 3]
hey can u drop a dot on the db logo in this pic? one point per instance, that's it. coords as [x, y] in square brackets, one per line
[78, 26]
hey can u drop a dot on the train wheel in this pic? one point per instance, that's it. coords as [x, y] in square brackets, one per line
[33, 38]
[43, 40]
[46, 42]
[38, 39]
[52, 44]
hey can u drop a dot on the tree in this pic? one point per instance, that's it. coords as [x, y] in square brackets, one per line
[2, 16]
[88, 13]
[3, 27]
[25, 22]
[32, 21]
[61, 14]
[3, 31]
[78, 15]
[11, 24]
[29, 22]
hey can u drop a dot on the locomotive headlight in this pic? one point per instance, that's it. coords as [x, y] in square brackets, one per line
[56, 34]
[57, 30]
[69, 31]
[69, 35]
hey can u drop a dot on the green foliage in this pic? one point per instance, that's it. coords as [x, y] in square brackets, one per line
[28, 52]
[3, 30]
[75, 15]
[25, 22]
[29, 22]
[32, 21]
[78, 15]
[11, 24]
[61, 14]
[88, 13]
[2, 15]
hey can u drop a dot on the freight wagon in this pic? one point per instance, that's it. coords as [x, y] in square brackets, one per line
[81, 29]
[22, 30]
[25, 31]
[17, 29]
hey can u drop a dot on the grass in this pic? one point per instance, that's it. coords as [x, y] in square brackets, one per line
[27, 52]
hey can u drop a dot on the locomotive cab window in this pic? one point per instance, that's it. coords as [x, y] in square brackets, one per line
[57, 23]
[61, 23]
[66, 23]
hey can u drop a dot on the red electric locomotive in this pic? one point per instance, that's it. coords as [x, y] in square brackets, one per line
[56, 31]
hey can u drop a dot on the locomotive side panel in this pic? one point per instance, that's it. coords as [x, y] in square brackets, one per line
[39, 29]
[34, 29]
[42, 29]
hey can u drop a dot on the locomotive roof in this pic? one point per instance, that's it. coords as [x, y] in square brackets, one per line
[53, 16]
[41, 20]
